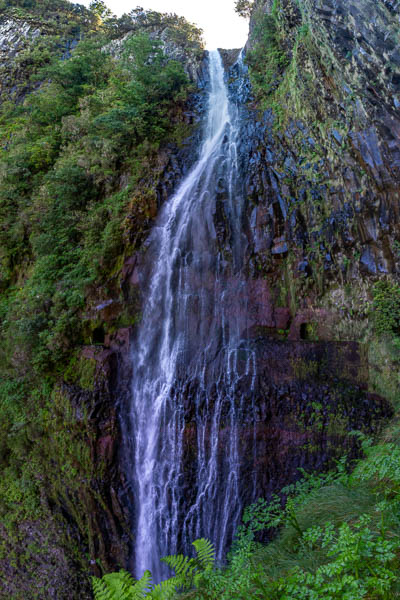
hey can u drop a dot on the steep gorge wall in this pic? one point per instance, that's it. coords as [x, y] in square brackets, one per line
[321, 155]
[323, 185]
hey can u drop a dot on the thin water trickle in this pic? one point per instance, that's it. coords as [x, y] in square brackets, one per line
[189, 366]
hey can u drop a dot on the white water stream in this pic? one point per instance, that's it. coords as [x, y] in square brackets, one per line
[188, 368]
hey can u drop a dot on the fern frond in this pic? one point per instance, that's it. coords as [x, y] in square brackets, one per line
[142, 587]
[205, 553]
[112, 586]
[183, 566]
[100, 589]
[166, 589]
[121, 586]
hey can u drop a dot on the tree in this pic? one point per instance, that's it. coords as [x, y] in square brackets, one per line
[244, 8]
[99, 8]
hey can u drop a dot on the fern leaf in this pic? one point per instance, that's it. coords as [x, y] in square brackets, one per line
[121, 586]
[142, 587]
[205, 553]
[183, 566]
[165, 590]
[100, 589]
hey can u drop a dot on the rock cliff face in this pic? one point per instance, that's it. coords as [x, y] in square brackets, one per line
[325, 155]
[15, 36]
[29, 40]
[312, 197]
[320, 154]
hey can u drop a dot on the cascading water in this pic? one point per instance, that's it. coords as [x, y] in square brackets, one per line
[192, 374]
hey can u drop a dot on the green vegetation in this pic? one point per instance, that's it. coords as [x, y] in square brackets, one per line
[188, 571]
[339, 538]
[268, 59]
[70, 142]
[53, 29]
[284, 68]
[244, 7]
[286, 63]
[386, 307]
[79, 166]
[45, 7]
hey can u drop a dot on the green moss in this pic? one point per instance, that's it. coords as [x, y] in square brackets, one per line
[276, 65]
[126, 319]
[81, 371]
[267, 59]
[311, 331]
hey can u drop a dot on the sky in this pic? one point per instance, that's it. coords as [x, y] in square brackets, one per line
[222, 27]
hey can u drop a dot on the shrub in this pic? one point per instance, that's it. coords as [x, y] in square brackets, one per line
[386, 307]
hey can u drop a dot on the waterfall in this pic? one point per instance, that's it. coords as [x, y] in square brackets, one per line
[192, 372]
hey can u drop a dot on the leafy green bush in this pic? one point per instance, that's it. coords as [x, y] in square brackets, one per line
[345, 549]
[360, 565]
[386, 307]
[59, 201]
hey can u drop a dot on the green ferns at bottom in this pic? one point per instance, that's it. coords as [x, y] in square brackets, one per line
[122, 586]
[339, 539]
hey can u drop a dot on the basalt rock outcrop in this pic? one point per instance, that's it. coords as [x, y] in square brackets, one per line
[320, 154]
[324, 167]
[297, 413]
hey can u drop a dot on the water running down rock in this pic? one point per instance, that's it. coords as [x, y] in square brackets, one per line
[188, 344]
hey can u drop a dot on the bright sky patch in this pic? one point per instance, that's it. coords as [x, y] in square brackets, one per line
[222, 27]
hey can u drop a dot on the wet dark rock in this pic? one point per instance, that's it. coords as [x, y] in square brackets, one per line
[368, 262]
[337, 136]
[363, 171]
[229, 57]
[109, 524]
[308, 399]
